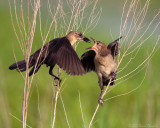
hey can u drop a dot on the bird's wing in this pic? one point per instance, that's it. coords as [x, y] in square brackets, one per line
[87, 60]
[40, 55]
[114, 47]
[63, 54]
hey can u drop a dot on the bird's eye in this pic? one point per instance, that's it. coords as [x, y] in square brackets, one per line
[80, 34]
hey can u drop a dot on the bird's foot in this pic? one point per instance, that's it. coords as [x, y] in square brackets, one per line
[100, 101]
[113, 74]
[57, 78]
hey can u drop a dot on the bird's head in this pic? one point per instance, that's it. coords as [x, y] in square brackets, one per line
[99, 47]
[75, 36]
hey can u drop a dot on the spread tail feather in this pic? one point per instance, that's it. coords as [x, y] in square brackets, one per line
[20, 65]
[35, 61]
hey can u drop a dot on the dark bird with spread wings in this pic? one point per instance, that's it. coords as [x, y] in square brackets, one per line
[101, 59]
[58, 51]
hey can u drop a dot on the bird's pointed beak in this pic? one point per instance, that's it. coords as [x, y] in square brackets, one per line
[89, 48]
[92, 48]
[93, 40]
[86, 39]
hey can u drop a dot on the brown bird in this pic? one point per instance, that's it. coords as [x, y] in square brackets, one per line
[101, 59]
[58, 51]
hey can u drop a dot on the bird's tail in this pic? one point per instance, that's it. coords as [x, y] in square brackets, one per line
[21, 66]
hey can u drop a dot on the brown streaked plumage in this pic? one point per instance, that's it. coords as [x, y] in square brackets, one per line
[58, 51]
[100, 59]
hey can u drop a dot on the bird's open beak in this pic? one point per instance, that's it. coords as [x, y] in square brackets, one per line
[92, 48]
[86, 39]
[89, 48]
[93, 40]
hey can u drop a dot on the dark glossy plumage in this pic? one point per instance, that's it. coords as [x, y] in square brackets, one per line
[87, 60]
[58, 51]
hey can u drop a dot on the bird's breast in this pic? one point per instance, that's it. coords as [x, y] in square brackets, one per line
[105, 66]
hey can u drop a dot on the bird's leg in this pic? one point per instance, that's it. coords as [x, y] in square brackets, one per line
[51, 73]
[100, 100]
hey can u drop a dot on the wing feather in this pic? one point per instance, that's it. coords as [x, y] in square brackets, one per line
[87, 60]
[114, 47]
[66, 57]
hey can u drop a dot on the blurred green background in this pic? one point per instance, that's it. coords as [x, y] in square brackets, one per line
[137, 109]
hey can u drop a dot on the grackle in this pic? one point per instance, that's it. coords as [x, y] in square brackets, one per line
[101, 59]
[58, 51]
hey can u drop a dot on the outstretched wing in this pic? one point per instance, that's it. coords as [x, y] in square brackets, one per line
[63, 54]
[114, 47]
[87, 60]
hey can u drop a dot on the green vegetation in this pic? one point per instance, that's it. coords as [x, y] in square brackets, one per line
[137, 109]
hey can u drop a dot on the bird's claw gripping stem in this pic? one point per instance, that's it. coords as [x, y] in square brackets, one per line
[100, 101]
[57, 78]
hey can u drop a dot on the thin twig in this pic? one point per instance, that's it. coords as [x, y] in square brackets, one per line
[64, 110]
[81, 109]
[18, 119]
[104, 93]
